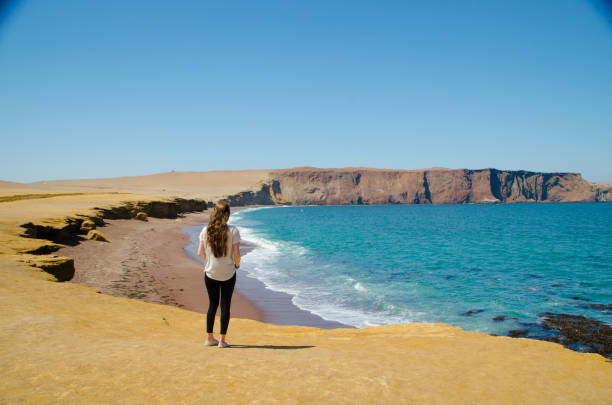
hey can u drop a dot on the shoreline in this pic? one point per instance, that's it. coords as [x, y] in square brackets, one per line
[142, 262]
[276, 307]
[146, 267]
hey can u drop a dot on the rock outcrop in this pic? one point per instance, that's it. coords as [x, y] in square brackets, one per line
[60, 267]
[311, 186]
[268, 194]
[69, 230]
[87, 225]
[97, 235]
[142, 216]
[156, 209]
[603, 192]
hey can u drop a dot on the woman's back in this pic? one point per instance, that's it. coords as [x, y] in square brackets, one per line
[221, 268]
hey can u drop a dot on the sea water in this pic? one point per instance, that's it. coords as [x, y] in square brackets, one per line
[376, 265]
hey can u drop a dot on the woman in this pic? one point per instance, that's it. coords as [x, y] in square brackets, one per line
[218, 241]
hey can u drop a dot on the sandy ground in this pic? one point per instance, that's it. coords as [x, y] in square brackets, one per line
[145, 260]
[65, 342]
[62, 342]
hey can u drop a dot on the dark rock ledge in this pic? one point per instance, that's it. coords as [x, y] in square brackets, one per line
[70, 231]
[575, 332]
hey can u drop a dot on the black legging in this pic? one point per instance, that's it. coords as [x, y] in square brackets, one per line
[216, 288]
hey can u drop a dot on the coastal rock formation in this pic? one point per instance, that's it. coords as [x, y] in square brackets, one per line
[53, 235]
[62, 268]
[311, 186]
[157, 209]
[97, 235]
[71, 227]
[578, 332]
[142, 216]
[603, 192]
[268, 194]
[87, 225]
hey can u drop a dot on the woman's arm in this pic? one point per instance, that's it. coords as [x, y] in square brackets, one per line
[236, 247]
[201, 251]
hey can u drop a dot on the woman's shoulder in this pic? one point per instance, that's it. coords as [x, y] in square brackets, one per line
[234, 232]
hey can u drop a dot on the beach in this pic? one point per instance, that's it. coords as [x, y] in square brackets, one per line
[145, 261]
[148, 261]
[72, 343]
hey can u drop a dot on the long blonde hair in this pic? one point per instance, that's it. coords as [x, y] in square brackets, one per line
[216, 230]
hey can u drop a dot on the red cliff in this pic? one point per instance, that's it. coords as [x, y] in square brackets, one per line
[312, 186]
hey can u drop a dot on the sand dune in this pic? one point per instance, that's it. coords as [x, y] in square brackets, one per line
[208, 185]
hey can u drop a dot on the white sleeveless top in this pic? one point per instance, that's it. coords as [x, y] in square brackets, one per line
[221, 268]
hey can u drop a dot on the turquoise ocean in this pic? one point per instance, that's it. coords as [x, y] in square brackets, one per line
[458, 264]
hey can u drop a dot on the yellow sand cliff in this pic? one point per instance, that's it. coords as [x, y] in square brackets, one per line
[66, 342]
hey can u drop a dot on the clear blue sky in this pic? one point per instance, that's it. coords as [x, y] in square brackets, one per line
[112, 88]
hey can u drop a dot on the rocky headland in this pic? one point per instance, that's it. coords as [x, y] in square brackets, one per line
[313, 186]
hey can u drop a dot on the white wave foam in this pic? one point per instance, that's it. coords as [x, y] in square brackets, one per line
[286, 267]
[276, 246]
[359, 287]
